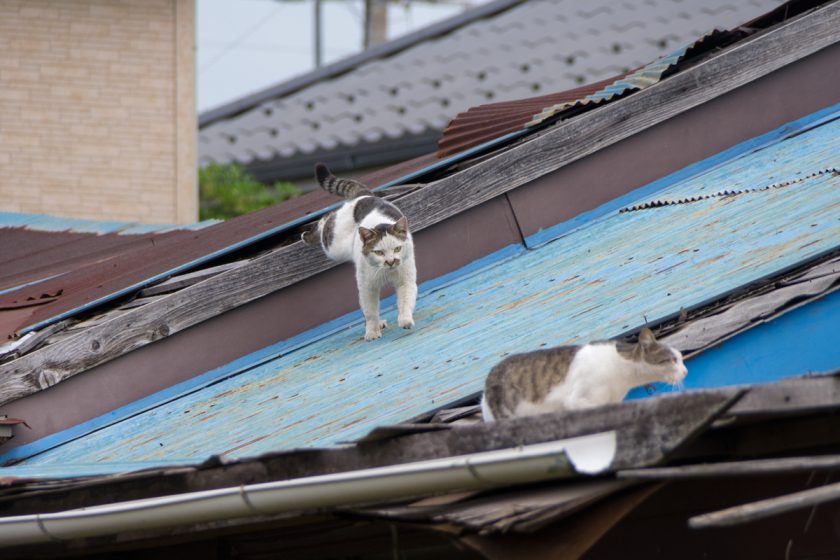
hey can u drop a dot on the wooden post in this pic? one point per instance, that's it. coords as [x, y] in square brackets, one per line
[376, 22]
[319, 59]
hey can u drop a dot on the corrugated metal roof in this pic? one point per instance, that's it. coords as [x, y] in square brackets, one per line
[598, 281]
[532, 47]
[79, 269]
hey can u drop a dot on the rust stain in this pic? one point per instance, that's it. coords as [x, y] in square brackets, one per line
[356, 421]
[587, 310]
[240, 446]
[667, 268]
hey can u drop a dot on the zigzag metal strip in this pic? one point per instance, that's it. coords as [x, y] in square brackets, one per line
[722, 194]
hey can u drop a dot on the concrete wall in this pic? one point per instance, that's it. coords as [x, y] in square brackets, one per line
[97, 109]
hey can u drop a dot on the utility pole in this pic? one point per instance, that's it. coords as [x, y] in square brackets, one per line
[376, 22]
[319, 58]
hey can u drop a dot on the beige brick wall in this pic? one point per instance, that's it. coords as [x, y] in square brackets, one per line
[97, 109]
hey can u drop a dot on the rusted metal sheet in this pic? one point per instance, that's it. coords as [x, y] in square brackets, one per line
[81, 268]
[634, 81]
[611, 275]
[487, 122]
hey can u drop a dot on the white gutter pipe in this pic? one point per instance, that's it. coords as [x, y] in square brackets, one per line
[530, 463]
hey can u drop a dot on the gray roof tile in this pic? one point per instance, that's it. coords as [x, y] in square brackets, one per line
[531, 48]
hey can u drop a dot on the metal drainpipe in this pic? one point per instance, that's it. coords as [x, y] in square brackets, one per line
[563, 458]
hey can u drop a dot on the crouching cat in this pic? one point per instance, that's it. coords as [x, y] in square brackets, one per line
[372, 233]
[570, 377]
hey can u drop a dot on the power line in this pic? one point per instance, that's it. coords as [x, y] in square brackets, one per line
[236, 42]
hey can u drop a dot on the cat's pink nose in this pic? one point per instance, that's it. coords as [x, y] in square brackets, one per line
[393, 262]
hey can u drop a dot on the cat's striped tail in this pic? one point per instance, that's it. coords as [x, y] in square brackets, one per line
[346, 188]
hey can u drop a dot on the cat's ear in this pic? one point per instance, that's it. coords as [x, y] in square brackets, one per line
[366, 234]
[400, 227]
[646, 336]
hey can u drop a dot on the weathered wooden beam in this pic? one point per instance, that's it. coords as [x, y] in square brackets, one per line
[138, 327]
[766, 508]
[32, 340]
[754, 467]
[590, 132]
[542, 153]
[568, 538]
[183, 280]
[793, 396]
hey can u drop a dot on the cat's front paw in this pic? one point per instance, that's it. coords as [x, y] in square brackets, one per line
[374, 331]
[405, 322]
[373, 334]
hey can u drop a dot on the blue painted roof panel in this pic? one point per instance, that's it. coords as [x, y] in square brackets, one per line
[43, 222]
[594, 282]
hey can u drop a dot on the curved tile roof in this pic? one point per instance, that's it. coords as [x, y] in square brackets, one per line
[523, 50]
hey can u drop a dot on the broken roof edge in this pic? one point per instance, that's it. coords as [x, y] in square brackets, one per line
[31, 497]
[347, 64]
[708, 403]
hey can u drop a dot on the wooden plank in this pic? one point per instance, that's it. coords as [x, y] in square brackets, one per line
[450, 415]
[767, 508]
[141, 301]
[183, 280]
[755, 467]
[568, 539]
[33, 340]
[529, 160]
[137, 327]
[520, 510]
[793, 396]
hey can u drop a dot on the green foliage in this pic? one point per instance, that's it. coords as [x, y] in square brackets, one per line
[228, 190]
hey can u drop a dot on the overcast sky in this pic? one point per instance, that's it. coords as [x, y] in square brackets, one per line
[247, 45]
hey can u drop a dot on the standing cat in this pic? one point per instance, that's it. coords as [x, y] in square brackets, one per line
[374, 234]
[569, 377]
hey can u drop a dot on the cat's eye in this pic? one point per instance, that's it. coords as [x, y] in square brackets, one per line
[380, 253]
[397, 249]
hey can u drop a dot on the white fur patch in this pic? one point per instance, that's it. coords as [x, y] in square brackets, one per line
[599, 375]
[372, 270]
